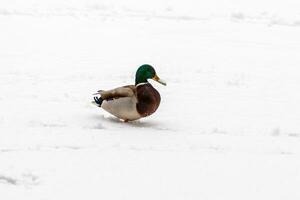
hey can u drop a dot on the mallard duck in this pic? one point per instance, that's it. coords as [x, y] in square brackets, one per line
[132, 102]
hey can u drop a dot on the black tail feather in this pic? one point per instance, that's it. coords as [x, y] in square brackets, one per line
[98, 101]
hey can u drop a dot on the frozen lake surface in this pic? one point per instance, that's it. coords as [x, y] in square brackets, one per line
[227, 127]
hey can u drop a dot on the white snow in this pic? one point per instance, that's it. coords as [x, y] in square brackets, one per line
[228, 124]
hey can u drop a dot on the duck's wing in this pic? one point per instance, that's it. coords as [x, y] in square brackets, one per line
[125, 91]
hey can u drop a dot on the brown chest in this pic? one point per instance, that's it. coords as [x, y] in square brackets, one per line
[148, 99]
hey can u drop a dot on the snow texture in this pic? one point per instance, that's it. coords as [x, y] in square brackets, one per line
[228, 124]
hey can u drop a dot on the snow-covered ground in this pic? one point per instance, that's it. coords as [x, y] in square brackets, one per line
[228, 124]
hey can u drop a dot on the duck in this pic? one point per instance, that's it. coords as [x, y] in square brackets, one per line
[132, 102]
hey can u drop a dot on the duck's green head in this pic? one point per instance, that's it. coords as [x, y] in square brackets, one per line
[146, 72]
